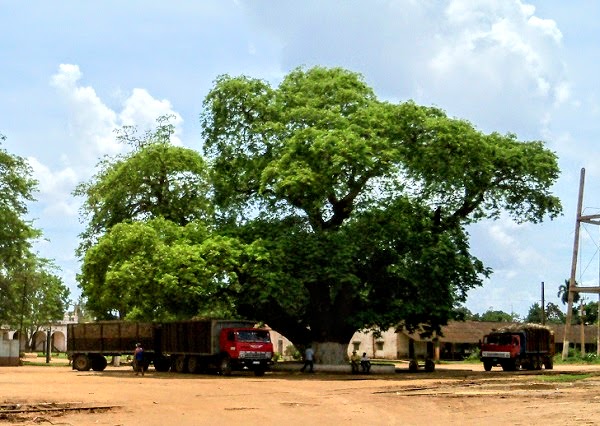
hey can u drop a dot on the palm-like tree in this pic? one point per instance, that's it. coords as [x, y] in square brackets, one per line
[563, 293]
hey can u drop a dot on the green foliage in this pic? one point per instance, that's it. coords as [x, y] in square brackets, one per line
[590, 312]
[563, 293]
[553, 314]
[155, 179]
[574, 357]
[362, 203]
[31, 294]
[157, 270]
[498, 316]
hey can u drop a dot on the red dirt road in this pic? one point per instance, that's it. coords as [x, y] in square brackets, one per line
[452, 395]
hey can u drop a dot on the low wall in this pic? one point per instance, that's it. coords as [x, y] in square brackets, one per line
[332, 368]
[9, 352]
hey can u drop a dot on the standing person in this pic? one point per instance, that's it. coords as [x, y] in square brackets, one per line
[365, 363]
[138, 359]
[309, 359]
[354, 361]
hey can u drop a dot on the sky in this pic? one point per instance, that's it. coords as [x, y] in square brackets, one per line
[71, 72]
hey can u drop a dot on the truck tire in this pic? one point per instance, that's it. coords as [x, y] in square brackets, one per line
[487, 365]
[81, 362]
[193, 365]
[225, 366]
[260, 371]
[413, 366]
[180, 364]
[429, 365]
[548, 363]
[162, 364]
[99, 363]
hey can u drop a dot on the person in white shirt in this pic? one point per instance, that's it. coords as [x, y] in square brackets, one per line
[309, 359]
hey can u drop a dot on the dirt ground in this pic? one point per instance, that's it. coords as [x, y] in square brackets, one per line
[452, 395]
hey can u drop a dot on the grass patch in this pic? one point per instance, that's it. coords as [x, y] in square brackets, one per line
[576, 358]
[563, 378]
[43, 364]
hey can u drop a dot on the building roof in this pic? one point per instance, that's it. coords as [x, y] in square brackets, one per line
[473, 332]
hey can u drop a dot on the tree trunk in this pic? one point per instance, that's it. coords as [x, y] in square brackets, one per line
[331, 353]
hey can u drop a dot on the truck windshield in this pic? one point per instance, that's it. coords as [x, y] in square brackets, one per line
[499, 339]
[253, 336]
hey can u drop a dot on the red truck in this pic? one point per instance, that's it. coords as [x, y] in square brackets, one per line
[527, 346]
[184, 346]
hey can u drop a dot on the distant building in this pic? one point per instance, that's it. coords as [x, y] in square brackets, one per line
[458, 340]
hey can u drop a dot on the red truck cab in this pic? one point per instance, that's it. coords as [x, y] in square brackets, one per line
[246, 348]
[501, 349]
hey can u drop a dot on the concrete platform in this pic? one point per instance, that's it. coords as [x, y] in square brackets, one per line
[332, 368]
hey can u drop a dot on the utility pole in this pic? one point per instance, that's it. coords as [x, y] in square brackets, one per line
[573, 288]
[582, 314]
[543, 306]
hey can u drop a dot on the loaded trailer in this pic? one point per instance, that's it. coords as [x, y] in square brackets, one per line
[182, 346]
[527, 346]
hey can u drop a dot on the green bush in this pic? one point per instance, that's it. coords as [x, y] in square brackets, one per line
[574, 357]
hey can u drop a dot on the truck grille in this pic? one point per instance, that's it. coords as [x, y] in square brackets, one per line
[255, 355]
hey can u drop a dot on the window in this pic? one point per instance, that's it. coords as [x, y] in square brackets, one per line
[356, 346]
[379, 346]
[253, 336]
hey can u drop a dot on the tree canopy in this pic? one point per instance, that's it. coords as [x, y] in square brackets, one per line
[364, 201]
[153, 179]
[326, 209]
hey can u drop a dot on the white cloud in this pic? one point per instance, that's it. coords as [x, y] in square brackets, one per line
[91, 121]
[499, 45]
[55, 189]
[141, 109]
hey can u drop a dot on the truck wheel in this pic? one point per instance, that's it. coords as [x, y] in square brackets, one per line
[487, 365]
[413, 366]
[548, 363]
[225, 367]
[180, 364]
[81, 362]
[193, 365]
[161, 363]
[429, 365]
[259, 372]
[99, 363]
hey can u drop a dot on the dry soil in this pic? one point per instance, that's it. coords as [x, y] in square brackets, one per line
[452, 395]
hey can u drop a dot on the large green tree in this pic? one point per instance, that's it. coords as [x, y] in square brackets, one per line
[361, 204]
[31, 293]
[149, 250]
[325, 210]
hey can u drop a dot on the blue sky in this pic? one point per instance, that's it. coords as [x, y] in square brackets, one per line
[73, 71]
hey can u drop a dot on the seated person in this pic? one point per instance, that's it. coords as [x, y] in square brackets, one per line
[365, 363]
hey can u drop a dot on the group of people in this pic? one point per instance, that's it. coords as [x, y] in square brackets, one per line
[356, 361]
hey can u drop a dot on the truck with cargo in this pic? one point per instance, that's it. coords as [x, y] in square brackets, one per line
[182, 346]
[527, 346]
